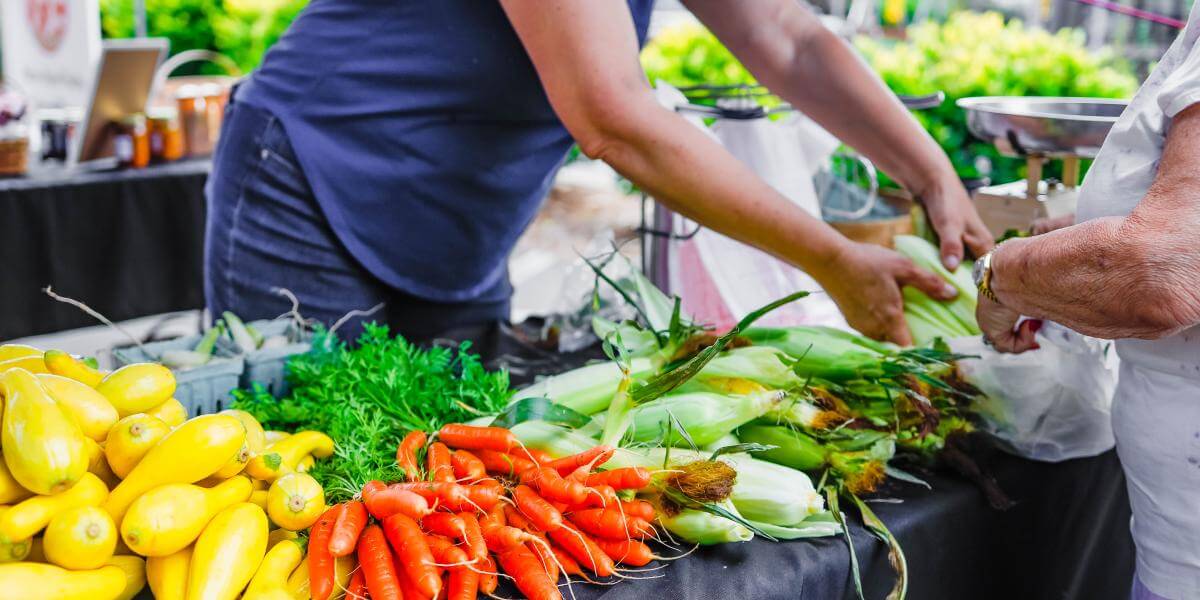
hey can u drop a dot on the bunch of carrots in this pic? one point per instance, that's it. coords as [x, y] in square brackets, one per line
[483, 507]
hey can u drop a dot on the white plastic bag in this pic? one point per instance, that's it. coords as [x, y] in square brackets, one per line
[721, 279]
[1050, 404]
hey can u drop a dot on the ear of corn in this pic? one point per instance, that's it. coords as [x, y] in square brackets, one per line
[761, 364]
[588, 389]
[703, 528]
[928, 318]
[823, 352]
[705, 417]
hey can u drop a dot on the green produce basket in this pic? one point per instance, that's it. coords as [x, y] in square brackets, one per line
[268, 366]
[201, 390]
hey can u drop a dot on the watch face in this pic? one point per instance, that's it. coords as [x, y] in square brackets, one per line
[977, 272]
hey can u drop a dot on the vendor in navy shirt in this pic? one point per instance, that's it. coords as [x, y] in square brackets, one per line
[392, 151]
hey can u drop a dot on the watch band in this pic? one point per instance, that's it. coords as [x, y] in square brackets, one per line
[983, 281]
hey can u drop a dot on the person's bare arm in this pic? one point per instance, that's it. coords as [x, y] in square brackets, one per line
[787, 48]
[1136, 276]
[585, 53]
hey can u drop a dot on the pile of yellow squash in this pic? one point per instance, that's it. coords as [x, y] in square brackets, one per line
[107, 485]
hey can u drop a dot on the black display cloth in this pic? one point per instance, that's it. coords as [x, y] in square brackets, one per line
[128, 243]
[1066, 537]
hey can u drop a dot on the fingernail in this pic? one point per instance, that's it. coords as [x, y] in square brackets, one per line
[1037, 346]
[951, 262]
[1035, 325]
[949, 291]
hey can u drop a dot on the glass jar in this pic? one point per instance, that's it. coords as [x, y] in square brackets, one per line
[166, 135]
[131, 142]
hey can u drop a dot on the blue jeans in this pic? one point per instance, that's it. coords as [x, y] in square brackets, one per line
[266, 231]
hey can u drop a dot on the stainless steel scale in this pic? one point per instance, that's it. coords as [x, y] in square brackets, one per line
[1038, 130]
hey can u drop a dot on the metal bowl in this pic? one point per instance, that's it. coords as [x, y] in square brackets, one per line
[1054, 127]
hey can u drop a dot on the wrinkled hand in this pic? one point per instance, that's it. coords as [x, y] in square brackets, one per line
[999, 326]
[865, 281]
[958, 225]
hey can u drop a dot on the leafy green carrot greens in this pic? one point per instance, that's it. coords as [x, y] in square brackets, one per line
[367, 396]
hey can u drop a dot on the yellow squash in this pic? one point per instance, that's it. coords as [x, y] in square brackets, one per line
[188, 454]
[98, 464]
[272, 436]
[228, 553]
[13, 551]
[134, 569]
[295, 501]
[256, 438]
[11, 351]
[91, 411]
[278, 535]
[137, 388]
[168, 575]
[169, 518]
[235, 464]
[276, 567]
[283, 456]
[33, 364]
[259, 498]
[343, 568]
[37, 552]
[80, 538]
[61, 363]
[43, 447]
[25, 519]
[172, 412]
[10, 490]
[105, 583]
[306, 464]
[130, 439]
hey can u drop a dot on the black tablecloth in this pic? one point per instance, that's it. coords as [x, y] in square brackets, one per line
[1067, 537]
[128, 243]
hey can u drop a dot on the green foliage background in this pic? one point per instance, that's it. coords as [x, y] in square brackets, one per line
[239, 29]
[971, 54]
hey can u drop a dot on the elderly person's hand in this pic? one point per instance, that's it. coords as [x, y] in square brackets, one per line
[999, 326]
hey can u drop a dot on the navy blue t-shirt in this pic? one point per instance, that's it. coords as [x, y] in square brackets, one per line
[424, 132]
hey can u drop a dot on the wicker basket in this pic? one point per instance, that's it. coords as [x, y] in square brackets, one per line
[14, 156]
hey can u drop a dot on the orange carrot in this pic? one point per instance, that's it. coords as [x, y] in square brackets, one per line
[626, 552]
[357, 588]
[467, 466]
[583, 549]
[501, 463]
[406, 585]
[601, 496]
[568, 564]
[383, 501]
[489, 579]
[406, 454]
[494, 517]
[505, 538]
[486, 493]
[541, 457]
[545, 556]
[449, 494]
[476, 546]
[625, 478]
[553, 487]
[463, 585]
[437, 463]
[527, 572]
[444, 551]
[469, 437]
[536, 509]
[639, 508]
[414, 554]
[611, 523]
[375, 560]
[588, 458]
[443, 523]
[347, 528]
[320, 561]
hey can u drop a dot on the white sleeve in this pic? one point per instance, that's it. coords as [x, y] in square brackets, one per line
[1181, 88]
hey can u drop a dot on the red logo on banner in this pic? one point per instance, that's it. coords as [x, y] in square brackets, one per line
[48, 20]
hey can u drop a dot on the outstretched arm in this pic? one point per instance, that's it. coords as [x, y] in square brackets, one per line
[585, 53]
[787, 48]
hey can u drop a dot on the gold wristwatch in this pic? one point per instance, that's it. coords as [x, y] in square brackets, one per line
[982, 274]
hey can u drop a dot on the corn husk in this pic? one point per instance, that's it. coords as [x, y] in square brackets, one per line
[928, 318]
[588, 389]
[705, 417]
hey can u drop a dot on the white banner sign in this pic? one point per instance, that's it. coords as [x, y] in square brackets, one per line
[50, 49]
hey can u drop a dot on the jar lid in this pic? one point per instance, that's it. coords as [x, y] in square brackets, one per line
[162, 113]
[134, 120]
